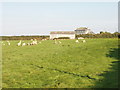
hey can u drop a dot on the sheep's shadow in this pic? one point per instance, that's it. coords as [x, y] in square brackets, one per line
[111, 79]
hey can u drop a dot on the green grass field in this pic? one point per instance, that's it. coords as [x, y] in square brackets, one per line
[67, 65]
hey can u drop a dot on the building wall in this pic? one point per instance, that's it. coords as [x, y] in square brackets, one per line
[71, 36]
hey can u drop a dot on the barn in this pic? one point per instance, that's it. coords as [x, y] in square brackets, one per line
[57, 34]
[83, 30]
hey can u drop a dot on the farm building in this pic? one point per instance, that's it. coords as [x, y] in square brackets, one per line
[83, 30]
[58, 34]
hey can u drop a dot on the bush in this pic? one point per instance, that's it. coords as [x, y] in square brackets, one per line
[24, 37]
[103, 35]
[63, 38]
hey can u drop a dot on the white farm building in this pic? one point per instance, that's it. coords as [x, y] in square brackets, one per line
[58, 34]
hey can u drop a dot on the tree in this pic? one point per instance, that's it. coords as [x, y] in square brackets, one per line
[116, 32]
[107, 32]
[101, 32]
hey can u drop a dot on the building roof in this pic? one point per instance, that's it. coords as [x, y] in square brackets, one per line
[82, 28]
[62, 32]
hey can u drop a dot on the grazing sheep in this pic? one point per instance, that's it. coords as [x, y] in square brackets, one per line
[60, 42]
[42, 39]
[19, 43]
[55, 42]
[34, 42]
[77, 41]
[83, 41]
[31, 39]
[23, 44]
[2, 43]
[8, 43]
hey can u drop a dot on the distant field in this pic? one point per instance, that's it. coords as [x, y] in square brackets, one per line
[67, 65]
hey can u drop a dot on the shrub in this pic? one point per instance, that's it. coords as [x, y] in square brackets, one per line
[63, 38]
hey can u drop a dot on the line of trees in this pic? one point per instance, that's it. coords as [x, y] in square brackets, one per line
[23, 37]
[100, 35]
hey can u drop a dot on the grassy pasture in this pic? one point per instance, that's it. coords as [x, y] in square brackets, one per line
[67, 65]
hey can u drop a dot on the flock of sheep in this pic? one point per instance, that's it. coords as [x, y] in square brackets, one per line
[7, 43]
[78, 41]
[35, 42]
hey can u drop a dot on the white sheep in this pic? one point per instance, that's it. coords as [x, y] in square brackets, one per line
[55, 42]
[83, 41]
[34, 42]
[23, 44]
[31, 39]
[60, 42]
[8, 43]
[42, 39]
[19, 43]
[2, 43]
[77, 41]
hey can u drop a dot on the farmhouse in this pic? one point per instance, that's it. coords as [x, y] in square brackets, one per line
[57, 34]
[83, 30]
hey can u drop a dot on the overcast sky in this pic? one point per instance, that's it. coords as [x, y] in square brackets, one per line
[39, 18]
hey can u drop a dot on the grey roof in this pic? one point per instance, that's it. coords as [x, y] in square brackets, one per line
[81, 29]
